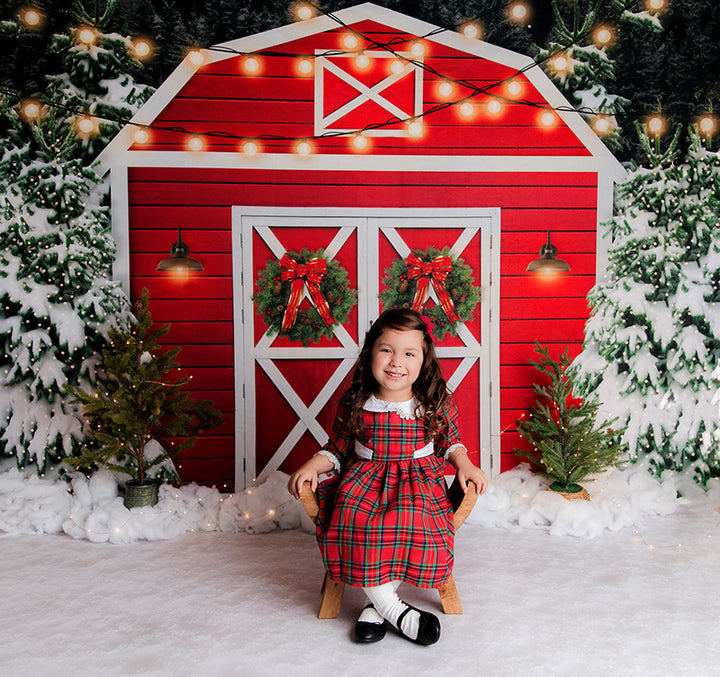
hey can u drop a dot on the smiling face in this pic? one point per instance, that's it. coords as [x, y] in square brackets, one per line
[397, 357]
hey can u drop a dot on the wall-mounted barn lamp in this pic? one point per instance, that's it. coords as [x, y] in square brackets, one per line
[179, 260]
[548, 261]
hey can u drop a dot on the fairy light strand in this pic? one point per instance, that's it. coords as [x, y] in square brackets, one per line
[179, 513]
[475, 91]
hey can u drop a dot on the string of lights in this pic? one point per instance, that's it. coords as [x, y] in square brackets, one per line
[87, 124]
[180, 513]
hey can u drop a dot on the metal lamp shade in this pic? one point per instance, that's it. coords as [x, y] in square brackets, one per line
[179, 259]
[548, 261]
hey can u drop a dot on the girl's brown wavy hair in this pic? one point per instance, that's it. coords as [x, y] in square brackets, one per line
[430, 390]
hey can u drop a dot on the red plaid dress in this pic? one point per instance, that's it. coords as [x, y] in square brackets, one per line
[388, 518]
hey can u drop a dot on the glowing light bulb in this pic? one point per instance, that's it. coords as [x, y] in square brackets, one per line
[655, 124]
[303, 148]
[31, 110]
[446, 89]
[397, 65]
[707, 124]
[305, 66]
[141, 136]
[467, 109]
[32, 18]
[362, 60]
[417, 49]
[251, 64]
[518, 12]
[142, 48]
[494, 107]
[251, 148]
[86, 35]
[304, 12]
[560, 64]
[360, 141]
[415, 128]
[602, 124]
[472, 30]
[514, 88]
[547, 119]
[195, 144]
[603, 36]
[350, 41]
[655, 5]
[196, 57]
[86, 124]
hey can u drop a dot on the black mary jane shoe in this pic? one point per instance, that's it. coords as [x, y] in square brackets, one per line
[366, 632]
[428, 630]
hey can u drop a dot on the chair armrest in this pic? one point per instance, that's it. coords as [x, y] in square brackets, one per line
[309, 501]
[462, 502]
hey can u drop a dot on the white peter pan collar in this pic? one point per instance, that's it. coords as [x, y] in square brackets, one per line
[405, 410]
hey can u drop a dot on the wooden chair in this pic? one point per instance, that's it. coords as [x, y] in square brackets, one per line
[332, 591]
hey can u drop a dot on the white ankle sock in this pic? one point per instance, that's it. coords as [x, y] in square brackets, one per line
[390, 606]
[370, 615]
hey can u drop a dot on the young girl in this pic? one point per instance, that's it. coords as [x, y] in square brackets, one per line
[386, 517]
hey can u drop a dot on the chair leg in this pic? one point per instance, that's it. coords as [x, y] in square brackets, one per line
[332, 593]
[449, 596]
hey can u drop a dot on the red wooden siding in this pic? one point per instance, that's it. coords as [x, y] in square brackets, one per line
[200, 308]
[278, 101]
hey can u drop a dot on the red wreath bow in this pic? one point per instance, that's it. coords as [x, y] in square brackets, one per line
[436, 271]
[300, 274]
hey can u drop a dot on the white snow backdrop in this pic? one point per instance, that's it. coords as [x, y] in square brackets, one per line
[623, 585]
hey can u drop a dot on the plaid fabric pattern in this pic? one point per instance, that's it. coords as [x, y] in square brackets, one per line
[389, 518]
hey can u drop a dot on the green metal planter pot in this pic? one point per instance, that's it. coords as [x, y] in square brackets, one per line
[138, 495]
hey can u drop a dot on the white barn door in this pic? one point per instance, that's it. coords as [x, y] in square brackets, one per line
[286, 392]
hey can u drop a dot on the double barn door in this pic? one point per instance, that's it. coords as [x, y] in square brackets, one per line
[287, 392]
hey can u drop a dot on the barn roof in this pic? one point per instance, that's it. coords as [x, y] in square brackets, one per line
[178, 107]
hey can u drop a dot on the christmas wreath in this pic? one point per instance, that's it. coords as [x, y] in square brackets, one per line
[408, 284]
[280, 290]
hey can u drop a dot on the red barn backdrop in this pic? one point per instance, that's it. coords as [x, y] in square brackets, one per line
[254, 152]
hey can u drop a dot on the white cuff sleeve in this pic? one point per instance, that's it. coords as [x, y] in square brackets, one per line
[453, 448]
[332, 457]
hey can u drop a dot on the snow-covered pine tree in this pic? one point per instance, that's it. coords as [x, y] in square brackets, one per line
[56, 301]
[99, 75]
[652, 346]
[577, 59]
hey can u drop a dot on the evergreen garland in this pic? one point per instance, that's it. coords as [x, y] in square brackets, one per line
[567, 441]
[460, 286]
[273, 293]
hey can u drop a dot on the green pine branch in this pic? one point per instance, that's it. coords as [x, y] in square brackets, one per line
[138, 401]
[568, 444]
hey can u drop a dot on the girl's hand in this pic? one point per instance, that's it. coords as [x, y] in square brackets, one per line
[476, 476]
[298, 478]
[467, 471]
[309, 472]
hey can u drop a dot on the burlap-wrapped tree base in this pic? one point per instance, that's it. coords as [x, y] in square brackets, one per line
[573, 495]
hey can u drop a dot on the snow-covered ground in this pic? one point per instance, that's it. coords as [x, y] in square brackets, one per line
[632, 592]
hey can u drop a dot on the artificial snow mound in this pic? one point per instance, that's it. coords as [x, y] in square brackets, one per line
[93, 510]
[519, 498]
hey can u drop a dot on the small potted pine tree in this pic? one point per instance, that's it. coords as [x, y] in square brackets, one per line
[136, 402]
[568, 443]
